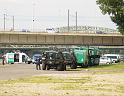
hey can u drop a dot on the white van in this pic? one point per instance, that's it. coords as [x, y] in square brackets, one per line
[16, 58]
[105, 60]
[114, 57]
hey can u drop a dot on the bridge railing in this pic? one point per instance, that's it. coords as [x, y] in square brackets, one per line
[73, 32]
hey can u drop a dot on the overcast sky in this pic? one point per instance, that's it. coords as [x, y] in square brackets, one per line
[51, 13]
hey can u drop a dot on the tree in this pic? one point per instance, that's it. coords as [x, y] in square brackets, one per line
[114, 8]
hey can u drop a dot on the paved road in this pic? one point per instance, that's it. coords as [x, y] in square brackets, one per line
[22, 70]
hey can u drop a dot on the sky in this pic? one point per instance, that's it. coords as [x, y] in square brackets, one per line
[51, 14]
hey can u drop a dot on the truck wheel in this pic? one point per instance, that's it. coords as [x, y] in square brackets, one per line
[107, 63]
[60, 67]
[85, 65]
[73, 66]
[47, 67]
[43, 66]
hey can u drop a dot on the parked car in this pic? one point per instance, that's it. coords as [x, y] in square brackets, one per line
[35, 56]
[114, 57]
[53, 60]
[105, 60]
[28, 60]
[122, 57]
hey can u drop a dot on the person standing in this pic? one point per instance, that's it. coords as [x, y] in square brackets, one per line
[38, 61]
[3, 61]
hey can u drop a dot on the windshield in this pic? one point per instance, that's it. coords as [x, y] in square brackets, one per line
[35, 57]
[113, 57]
[50, 55]
[67, 56]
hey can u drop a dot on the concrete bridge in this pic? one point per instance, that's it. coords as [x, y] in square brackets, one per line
[61, 38]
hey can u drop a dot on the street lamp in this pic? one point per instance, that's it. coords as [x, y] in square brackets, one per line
[76, 21]
[13, 26]
[4, 21]
[33, 18]
[68, 20]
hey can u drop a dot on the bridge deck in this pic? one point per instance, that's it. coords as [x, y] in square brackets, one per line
[61, 38]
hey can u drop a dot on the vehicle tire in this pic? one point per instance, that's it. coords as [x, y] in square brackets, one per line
[60, 67]
[47, 67]
[114, 61]
[107, 63]
[73, 66]
[85, 65]
[43, 66]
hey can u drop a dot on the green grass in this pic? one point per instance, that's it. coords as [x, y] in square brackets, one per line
[81, 82]
[101, 67]
[73, 83]
[110, 66]
[120, 88]
[65, 83]
[46, 79]
[36, 79]
[51, 79]
[68, 86]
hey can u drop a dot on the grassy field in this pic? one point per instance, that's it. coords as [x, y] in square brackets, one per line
[104, 80]
[109, 66]
[103, 68]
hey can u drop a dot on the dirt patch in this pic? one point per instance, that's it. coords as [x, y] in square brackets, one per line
[25, 80]
[98, 85]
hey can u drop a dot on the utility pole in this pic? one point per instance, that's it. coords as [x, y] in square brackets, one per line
[33, 18]
[13, 23]
[68, 21]
[76, 21]
[4, 22]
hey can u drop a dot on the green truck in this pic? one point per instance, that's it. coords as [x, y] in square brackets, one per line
[86, 56]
